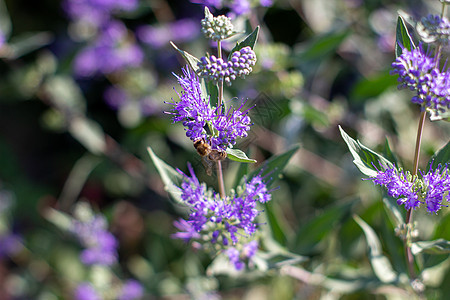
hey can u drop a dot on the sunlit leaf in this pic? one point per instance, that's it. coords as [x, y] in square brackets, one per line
[403, 38]
[323, 45]
[439, 246]
[190, 59]
[5, 20]
[367, 161]
[239, 156]
[28, 42]
[170, 177]
[249, 41]
[380, 263]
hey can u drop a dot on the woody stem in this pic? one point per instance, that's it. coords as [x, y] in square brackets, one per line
[219, 107]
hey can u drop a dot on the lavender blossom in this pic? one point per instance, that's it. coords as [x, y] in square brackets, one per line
[112, 51]
[437, 184]
[398, 186]
[131, 290]
[433, 28]
[220, 220]
[100, 244]
[418, 72]
[192, 109]
[239, 65]
[85, 291]
[433, 188]
[158, 36]
[230, 126]
[10, 244]
[96, 12]
[238, 258]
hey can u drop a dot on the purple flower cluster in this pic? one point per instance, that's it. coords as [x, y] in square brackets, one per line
[418, 72]
[131, 290]
[220, 220]
[438, 187]
[100, 245]
[158, 36]
[10, 244]
[238, 258]
[96, 12]
[239, 65]
[111, 51]
[433, 188]
[237, 7]
[433, 28]
[195, 113]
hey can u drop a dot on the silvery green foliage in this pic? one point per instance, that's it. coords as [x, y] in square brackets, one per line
[216, 28]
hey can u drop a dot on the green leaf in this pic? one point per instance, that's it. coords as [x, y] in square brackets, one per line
[212, 91]
[314, 231]
[441, 157]
[323, 46]
[365, 159]
[5, 20]
[393, 210]
[439, 246]
[239, 155]
[372, 86]
[250, 41]
[402, 38]
[380, 264]
[274, 166]
[388, 153]
[28, 42]
[170, 177]
[190, 59]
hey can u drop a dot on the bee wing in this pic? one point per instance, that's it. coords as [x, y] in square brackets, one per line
[208, 165]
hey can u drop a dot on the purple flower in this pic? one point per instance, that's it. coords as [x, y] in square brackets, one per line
[112, 51]
[115, 97]
[398, 186]
[266, 3]
[96, 12]
[179, 31]
[232, 216]
[85, 291]
[433, 28]
[240, 7]
[131, 290]
[238, 258]
[192, 109]
[230, 126]
[418, 72]
[437, 184]
[100, 244]
[10, 244]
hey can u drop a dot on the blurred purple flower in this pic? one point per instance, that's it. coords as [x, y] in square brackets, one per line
[85, 291]
[96, 12]
[266, 3]
[100, 244]
[179, 31]
[131, 290]
[112, 51]
[240, 7]
[115, 97]
[10, 244]
[237, 258]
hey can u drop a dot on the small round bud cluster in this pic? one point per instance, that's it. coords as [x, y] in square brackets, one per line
[216, 69]
[217, 28]
[433, 28]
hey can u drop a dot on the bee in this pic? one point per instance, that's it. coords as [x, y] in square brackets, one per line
[202, 147]
[209, 156]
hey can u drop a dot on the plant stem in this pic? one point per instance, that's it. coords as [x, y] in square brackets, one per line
[415, 170]
[219, 107]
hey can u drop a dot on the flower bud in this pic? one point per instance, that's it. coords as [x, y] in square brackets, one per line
[216, 28]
